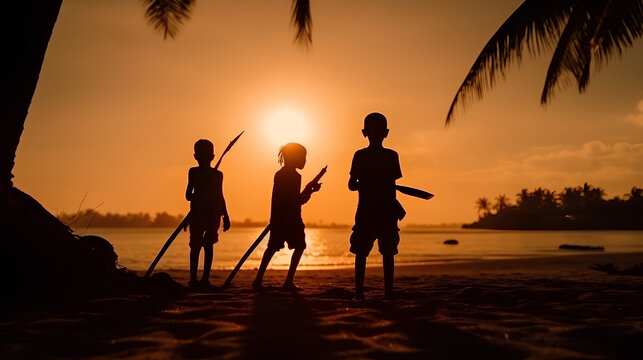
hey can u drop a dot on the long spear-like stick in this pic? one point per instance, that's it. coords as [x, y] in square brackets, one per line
[186, 220]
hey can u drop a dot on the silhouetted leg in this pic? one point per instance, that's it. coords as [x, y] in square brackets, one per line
[194, 263]
[208, 254]
[388, 261]
[360, 269]
[294, 262]
[265, 260]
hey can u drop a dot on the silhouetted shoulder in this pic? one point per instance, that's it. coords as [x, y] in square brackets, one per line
[357, 160]
[360, 151]
[381, 152]
[379, 163]
[391, 152]
[192, 173]
[284, 174]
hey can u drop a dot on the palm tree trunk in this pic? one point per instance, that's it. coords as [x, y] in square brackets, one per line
[26, 29]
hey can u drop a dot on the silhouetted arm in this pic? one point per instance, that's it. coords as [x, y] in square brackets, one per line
[225, 210]
[304, 197]
[397, 169]
[190, 189]
[226, 217]
[308, 192]
[353, 184]
[313, 186]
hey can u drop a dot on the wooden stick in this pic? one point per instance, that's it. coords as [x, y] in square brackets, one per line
[167, 244]
[245, 256]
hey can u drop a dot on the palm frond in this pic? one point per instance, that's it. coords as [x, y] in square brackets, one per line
[572, 55]
[621, 25]
[535, 25]
[596, 30]
[167, 16]
[303, 22]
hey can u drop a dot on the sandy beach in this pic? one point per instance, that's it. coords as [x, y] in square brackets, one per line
[530, 308]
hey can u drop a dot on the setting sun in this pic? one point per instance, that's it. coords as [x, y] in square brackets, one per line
[286, 125]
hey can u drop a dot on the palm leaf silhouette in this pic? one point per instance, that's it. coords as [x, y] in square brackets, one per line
[303, 22]
[579, 30]
[167, 16]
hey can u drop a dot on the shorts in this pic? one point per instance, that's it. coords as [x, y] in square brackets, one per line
[295, 240]
[204, 230]
[368, 229]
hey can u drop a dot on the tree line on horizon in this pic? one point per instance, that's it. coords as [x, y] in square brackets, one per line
[575, 208]
[89, 218]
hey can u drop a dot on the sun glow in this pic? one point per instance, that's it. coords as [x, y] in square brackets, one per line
[286, 125]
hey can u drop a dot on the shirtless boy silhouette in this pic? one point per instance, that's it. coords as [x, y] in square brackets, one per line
[207, 207]
[373, 174]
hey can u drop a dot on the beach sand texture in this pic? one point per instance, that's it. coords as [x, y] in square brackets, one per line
[531, 308]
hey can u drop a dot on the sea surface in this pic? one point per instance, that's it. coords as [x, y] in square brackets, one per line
[328, 248]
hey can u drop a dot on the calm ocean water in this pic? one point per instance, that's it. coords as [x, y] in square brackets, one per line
[328, 248]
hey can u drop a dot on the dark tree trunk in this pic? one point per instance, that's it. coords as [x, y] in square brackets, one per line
[26, 28]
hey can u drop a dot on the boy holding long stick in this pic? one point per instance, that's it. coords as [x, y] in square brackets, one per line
[207, 208]
[286, 224]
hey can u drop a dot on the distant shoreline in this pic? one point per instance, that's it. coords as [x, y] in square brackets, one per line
[529, 228]
[574, 208]
[90, 218]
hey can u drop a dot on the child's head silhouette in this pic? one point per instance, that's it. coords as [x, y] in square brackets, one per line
[375, 127]
[203, 152]
[293, 154]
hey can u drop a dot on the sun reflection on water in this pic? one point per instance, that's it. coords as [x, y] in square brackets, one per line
[320, 253]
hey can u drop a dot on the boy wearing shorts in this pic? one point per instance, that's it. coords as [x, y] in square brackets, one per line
[373, 173]
[286, 224]
[207, 208]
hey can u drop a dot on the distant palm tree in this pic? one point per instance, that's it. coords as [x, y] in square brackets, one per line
[635, 194]
[550, 199]
[571, 198]
[501, 203]
[482, 204]
[31, 22]
[579, 30]
[592, 194]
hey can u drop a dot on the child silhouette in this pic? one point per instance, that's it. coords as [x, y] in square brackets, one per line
[286, 224]
[373, 173]
[207, 207]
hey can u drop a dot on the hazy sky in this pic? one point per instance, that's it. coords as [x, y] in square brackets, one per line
[117, 109]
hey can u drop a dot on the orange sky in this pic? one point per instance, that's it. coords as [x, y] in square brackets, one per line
[118, 109]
